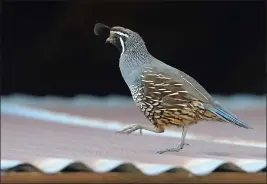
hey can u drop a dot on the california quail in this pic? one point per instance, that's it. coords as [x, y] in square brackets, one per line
[165, 95]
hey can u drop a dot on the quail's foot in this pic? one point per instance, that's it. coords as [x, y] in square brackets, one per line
[131, 129]
[175, 149]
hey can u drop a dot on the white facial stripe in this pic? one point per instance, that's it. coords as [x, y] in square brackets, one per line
[122, 46]
[120, 33]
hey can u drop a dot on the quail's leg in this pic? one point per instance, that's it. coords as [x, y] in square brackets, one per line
[135, 127]
[180, 146]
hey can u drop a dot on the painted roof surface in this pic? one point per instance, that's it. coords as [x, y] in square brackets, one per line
[51, 135]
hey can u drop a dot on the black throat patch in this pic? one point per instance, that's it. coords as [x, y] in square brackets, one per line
[119, 42]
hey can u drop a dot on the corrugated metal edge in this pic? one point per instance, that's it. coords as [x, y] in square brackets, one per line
[195, 166]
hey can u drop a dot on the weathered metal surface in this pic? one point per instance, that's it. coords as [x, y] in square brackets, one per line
[52, 138]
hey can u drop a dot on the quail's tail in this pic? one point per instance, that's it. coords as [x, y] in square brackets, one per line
[226, 115]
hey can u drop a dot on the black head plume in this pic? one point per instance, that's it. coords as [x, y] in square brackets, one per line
[100, 28]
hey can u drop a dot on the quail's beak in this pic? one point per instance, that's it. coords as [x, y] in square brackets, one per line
[111, 38]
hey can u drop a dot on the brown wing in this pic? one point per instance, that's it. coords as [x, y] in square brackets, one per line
[171, 103]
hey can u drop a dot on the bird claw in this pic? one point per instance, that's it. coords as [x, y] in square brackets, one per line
[175, 149]
[128, 130]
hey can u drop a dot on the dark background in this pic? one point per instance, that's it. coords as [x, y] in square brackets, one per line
[50, 48]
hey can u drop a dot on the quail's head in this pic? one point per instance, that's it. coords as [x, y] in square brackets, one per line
[124, 39]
